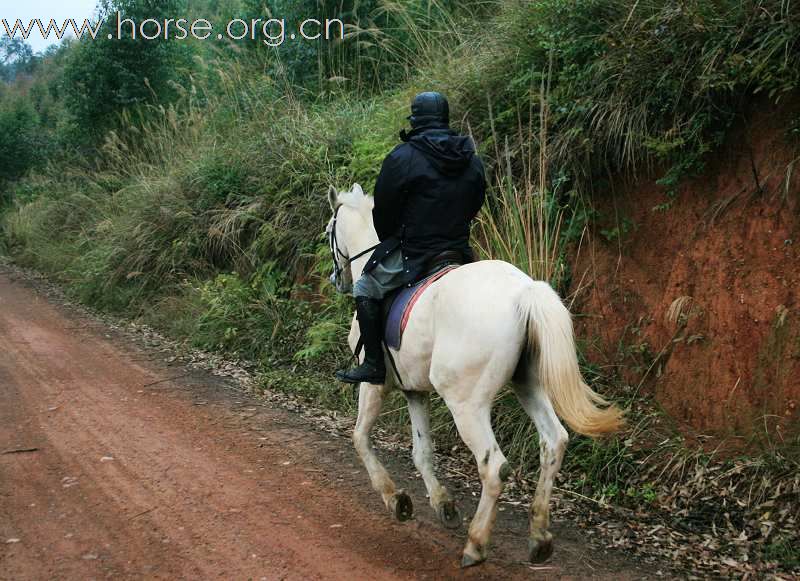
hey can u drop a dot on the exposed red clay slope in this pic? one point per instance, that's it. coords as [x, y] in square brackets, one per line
[731, 242]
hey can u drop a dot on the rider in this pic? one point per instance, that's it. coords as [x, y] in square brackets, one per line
[429, 189]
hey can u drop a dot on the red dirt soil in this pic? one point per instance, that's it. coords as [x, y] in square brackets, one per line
[136, 469]
[730, 365]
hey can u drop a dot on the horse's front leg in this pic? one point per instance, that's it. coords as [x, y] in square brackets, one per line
[442, 503]
[370, 400]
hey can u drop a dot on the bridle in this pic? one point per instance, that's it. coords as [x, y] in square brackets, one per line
[334, 247]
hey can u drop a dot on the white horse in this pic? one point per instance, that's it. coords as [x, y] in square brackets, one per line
[470, 333]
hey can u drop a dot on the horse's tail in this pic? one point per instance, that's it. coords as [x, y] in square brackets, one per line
[551, 350]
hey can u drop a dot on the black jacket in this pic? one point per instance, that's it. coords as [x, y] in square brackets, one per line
[429, 190]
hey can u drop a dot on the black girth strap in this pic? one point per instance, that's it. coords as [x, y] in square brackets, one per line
[394, 366]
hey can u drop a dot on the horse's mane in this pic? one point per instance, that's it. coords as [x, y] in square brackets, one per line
[355, 199]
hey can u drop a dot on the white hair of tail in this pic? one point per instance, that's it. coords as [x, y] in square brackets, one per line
[552, 346]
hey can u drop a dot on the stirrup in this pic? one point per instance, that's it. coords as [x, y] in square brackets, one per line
[358, 375]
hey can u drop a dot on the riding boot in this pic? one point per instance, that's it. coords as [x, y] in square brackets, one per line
[373, 369]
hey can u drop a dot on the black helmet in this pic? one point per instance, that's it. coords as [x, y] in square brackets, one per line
[428, 107]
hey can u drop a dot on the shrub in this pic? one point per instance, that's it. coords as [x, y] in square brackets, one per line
[103, 77]
[19, 143]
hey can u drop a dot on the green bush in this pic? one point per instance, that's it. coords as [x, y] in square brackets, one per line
[103, 77]
[16, 57]
[19, 143]
[252, 317]
[383, 44]
[628, 83]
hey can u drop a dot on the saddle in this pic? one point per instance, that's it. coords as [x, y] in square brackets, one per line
[397, 305]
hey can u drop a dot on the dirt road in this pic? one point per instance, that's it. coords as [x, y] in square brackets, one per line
[107, 470]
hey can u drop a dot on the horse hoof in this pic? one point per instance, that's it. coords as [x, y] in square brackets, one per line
[449, 514]
[539, 550]
[403, 507]
[470, 561]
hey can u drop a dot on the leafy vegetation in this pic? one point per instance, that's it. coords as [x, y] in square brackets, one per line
[16, 58]
[184, 184]
[136, 71]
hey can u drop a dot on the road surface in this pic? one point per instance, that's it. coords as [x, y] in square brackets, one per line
[114, 464]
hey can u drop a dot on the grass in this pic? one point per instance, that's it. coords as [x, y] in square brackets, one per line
[522, 221]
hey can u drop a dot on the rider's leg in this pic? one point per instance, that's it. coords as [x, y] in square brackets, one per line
[373, 368]
[369, 290]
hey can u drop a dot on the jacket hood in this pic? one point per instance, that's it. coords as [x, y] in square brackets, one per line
[448, 151]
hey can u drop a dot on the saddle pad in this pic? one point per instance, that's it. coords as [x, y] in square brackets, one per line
[403, 302]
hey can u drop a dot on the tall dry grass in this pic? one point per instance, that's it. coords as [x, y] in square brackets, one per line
[522, 221]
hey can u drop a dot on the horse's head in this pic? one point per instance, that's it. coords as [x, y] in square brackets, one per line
[350, 232]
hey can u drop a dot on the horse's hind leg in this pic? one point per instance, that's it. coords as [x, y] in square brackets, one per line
[370, 400]
[442, 503]
[473, 420]
[552, 444]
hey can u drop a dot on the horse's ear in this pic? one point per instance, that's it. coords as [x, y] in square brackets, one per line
[357, 190]
[333, 197]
